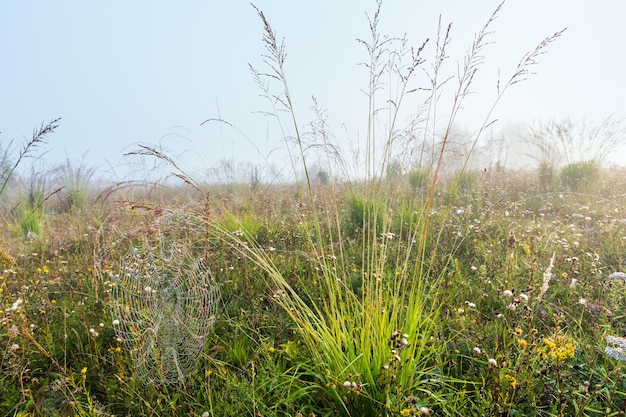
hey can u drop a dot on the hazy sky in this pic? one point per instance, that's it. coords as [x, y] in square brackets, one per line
[123, 72]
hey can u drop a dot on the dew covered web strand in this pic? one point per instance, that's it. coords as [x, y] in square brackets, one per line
[165, 299]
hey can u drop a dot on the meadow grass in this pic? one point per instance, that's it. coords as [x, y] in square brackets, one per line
[397, 293]
[500, 333]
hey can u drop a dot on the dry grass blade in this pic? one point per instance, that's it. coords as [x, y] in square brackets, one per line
[530, 59]
[39, 137]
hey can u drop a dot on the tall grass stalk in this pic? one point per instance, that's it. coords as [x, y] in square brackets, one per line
[372, 349]
[39, 137]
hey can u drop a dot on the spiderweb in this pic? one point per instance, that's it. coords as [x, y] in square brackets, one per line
[165, 299]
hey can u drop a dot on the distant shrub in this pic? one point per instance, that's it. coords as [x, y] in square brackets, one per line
[580, 176]
[547, 176]
[418, 179]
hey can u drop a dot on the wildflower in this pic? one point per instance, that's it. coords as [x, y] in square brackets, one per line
[470, 304]
[508, 293]
[347, 384]
[473, 268]
[405, 412]
[14, 347]
[560, 347]
[16, 304]
[519, 331]
[522, 343]
[116, 322]
[84, 370]
[513, 381]
[493, 362]
[205, 414]
[425, 410]
[616, 352]
[271, 349]
[547, 276]
[523, 297]
[477, 350]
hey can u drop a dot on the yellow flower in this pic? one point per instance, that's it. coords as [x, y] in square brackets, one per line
[522, 343]
[561, 347]
[519, 331]
[271, 349]
[405, 412]
[513, 380]
[84, 370]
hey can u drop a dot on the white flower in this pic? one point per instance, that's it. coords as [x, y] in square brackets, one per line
[116, 322]
[16, 304]
[508, 293]
[205, 414]
[347, 384]
[14, 347]
[493, 362]
[614, 275]
[616, 352]
[523, 297]
[477, 350]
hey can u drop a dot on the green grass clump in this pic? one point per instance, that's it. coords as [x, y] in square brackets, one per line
[580, 176]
